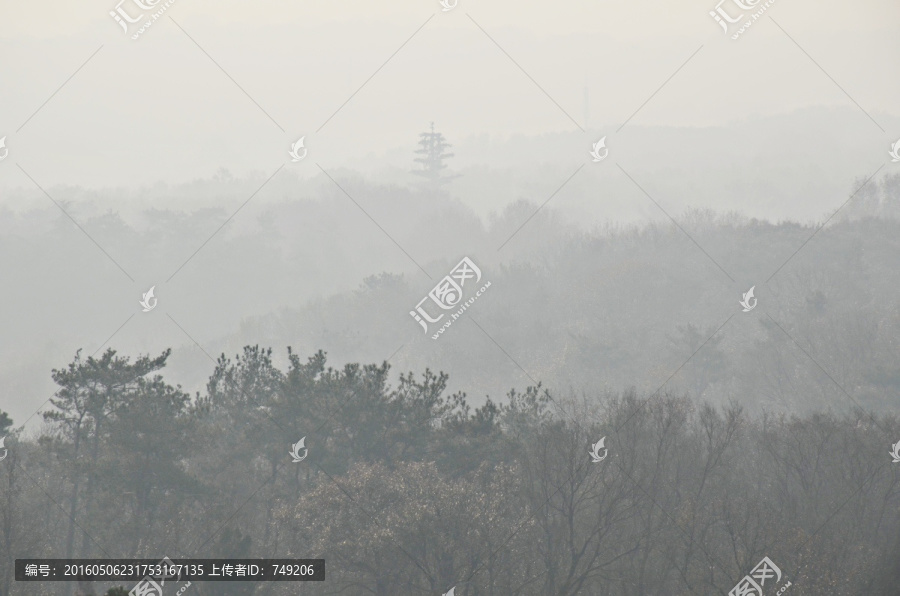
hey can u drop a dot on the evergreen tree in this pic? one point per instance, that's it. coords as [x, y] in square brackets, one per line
[5, 423]
[432, 148]
[85, 408]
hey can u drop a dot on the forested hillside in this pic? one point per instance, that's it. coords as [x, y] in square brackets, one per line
[405, 488]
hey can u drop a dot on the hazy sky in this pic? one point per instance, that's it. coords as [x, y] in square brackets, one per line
[776, 124]
[160, 109]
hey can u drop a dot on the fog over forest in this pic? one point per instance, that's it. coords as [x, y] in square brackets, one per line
[463, 299]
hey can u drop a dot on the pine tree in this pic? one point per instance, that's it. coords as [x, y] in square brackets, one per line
[433, 148]
[93, 395]
[5, 423]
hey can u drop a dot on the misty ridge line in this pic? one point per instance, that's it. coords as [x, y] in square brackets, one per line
[227, 195]
[823, 166]
[609, 260]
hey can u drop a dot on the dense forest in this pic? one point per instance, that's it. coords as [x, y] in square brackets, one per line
[727, 436]
[579, 310]
[407, 489]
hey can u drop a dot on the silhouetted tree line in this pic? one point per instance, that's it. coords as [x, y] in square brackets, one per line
[407, 489]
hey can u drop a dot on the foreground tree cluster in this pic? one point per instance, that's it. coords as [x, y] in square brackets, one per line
[409, 490]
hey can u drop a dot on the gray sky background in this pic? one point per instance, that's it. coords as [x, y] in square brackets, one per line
[157, 109]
